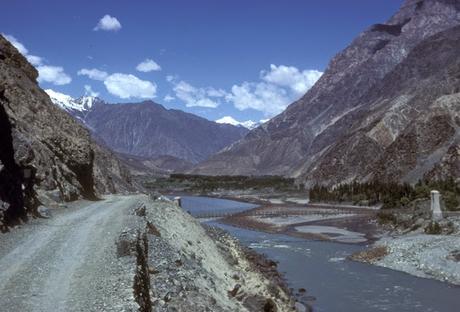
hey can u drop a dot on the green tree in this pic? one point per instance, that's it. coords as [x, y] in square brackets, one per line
[451, 201]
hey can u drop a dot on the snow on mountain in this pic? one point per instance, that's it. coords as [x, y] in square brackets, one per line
[249, 124]
[87, 101]
[68, 103]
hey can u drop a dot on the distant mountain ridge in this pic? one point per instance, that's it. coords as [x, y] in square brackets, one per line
[148, 129]
[386, 108]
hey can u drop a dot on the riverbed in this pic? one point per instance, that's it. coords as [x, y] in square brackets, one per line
[332, 282]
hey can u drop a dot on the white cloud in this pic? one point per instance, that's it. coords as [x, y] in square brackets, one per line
[261, 96]
[148, 65]
[108, 23]
[216, 92]
[169, 98]
[276, 89]
[289, 76]
[53, 74]
[125, 86]
[89, 91]
[279, 87]
[34, 60]
[196, 97]
[46, 73]
[129, 86]
[93, 73]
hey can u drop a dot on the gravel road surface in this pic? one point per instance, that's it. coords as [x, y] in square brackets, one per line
[69, 262]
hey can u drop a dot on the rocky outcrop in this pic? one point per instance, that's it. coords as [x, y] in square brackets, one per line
[448, 167]
[43, 148]
[379, 111]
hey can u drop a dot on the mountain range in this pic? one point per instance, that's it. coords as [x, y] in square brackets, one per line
[387, 108]
[148, 129]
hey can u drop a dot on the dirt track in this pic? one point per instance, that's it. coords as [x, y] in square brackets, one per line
[68, 262]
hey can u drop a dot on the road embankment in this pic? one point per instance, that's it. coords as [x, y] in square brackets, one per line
[199, 268]
[131, 253]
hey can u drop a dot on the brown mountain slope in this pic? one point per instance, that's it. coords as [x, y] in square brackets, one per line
[410, 124]
[43, 149]
[348, 125]
[150, 130]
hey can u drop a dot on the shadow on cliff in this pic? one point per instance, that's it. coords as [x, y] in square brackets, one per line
[11, 176]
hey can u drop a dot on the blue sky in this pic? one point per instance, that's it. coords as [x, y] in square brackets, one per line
[245, 59]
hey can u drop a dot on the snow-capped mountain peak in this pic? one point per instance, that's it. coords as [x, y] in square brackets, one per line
[68, 103]
[249, 124]
[87, 102]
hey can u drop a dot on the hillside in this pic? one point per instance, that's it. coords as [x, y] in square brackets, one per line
[386, 107]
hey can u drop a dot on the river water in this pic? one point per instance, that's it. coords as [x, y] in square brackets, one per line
[336, 284]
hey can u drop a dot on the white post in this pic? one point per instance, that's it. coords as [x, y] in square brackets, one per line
[178, 201]
[435, 206]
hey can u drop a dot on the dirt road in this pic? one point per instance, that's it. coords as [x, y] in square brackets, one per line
[69, 262]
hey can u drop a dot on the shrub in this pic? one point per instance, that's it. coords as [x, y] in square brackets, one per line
[422, 191]
[404, 201]
[386, 218]
[433, 228]
[451, 201]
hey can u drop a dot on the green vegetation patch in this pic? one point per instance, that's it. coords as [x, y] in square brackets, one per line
[390, 194]
[206, 184]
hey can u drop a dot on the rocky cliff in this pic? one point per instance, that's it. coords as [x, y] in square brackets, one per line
[386, 108]
[44, 152]
[149, 130]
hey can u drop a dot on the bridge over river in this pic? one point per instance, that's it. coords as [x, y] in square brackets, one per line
[309, 209]
[290, 210]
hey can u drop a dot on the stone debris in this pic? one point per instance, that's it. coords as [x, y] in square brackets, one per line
[198, 269]
[421, 254]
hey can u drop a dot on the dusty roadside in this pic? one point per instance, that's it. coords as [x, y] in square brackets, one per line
[131, 253]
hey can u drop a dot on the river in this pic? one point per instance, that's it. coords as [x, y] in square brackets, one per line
[336, 283]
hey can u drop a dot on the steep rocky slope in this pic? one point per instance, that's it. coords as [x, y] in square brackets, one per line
[150, 130]
[386, 107]
[44, 151]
